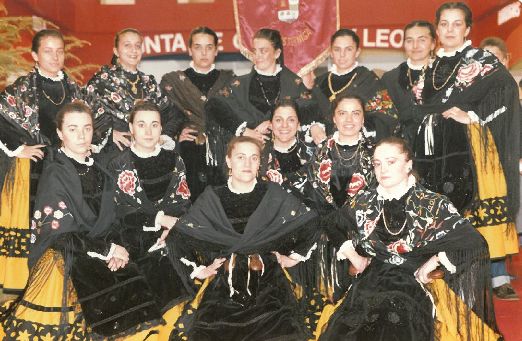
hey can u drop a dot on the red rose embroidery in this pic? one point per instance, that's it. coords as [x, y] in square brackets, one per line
[115, 97]
[11, 100]
[468, 72]
[325, 171]
[369, 226]
[127, 182]
[274, 176]
[356, 183]
[400, 246]
[183, 189]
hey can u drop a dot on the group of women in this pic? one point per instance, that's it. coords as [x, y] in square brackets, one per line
[280, 213]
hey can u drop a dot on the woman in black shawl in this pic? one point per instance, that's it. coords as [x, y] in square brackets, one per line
[247, 231]
[82, 282]
[394, 237]
[468, 143]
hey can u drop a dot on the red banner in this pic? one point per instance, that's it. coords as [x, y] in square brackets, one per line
[305, 26]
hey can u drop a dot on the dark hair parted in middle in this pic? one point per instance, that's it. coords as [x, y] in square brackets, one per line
[341, 98]
[37, 39]
[117, 36]
[345, 32]
[468, 15]
[422, 23]
[203, 30]
[74, 106]
[286, 103]
[274, 37]
[143, 106]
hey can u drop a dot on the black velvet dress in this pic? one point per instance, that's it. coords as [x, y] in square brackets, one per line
[247, 304]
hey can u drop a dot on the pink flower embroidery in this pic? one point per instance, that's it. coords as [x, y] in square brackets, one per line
[62, 205]
[486, 69]
[115, 97]
[55, 224]
[47, 210]
[27, 111]
[11, 100]
[369, 226]
[127, 182]
[468, 72]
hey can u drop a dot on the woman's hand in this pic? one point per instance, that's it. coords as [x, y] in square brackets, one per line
[458, 115]
[285, 261]
[255, 134]
[120, 258]
[168, 221]
[121, 139]
[187, 134]
[264, 127]
[211, 270]
[360, 263]
[317, 133]
[422, 273]
[34, 153]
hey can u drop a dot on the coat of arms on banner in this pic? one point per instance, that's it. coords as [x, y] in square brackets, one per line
[305, 26]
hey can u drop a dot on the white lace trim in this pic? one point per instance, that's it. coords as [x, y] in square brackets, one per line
[333, 69]
[157, 224]
[285, 150]
[347, 245]
[88, 162]
[476, 119]
[212, 67]
[384, 195]
[264, 73]
[93, 254]
[441, 53]
[335, 136]
[59, 77]
[196, 268]
[300, 258]
[235, 191]
[11, 153]
[144, 155]
[241, 129]
[414, 67]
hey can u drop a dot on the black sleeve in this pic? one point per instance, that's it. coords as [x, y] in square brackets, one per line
[220, 113]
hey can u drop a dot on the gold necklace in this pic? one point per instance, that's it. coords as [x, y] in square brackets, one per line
[133, 84]
[447, 79]
[348, 158]
[51, 100]
[335, 93]
[420, 76]
[386, 225]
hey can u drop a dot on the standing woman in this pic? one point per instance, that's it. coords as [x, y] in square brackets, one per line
[188, 91]
[245, 233]
[468, 144]
[285, 157]
[402, 82]
[395, 235]
[347, 77]
[120, 85]
[27, 127]
[244, 107]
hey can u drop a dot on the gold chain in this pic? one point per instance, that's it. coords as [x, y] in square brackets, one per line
[50, 99]
[134, 89]
[335, 93]
[447, 79]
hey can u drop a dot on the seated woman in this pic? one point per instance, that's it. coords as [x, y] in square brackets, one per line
[402, 233]
[152, 192]
[285, 157]
[82, 283]
[245, 230]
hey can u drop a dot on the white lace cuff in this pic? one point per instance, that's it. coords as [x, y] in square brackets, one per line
[306, 129]
[157, 224]
[241, 129]
[443, 258]
[11, 153]
[347, 245]
[96, 148]
[93, 254]
[196, 269]
[476, 119]
[300, 258]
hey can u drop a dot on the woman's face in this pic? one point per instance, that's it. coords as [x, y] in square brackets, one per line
[349, 119]
[452, 30]
[76, 134]
[244, 162]
[391, 167]
[129, 50]
[418, 44]
[203, 51]
[50, 56]
[146, 130]
[344, 53]
[285, 124]
[265, 55]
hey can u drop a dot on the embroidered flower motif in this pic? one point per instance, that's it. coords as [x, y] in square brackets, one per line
[33, 238]
[298, 81]
[369, 226]
[127, 182]
[452, 209]
[33, 225]
[100, 111]
[380, 102]
[11, 100]
[48, 210]
[58, 214]
[23, 88]
[203, 98]
[468, 72]
[356, 183]
[115, 97]
[145, 78]
[90, 88]
[331, 143]
[325, 171]
[182, 77]
[486, 68]
[27, 111]
[55, 224]
[104, 75]
[183, 188]
[37, 214]
[417, 90]
[274, 176]
[62, 205]
[400, 246]
[236, 82]
[395, 260]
